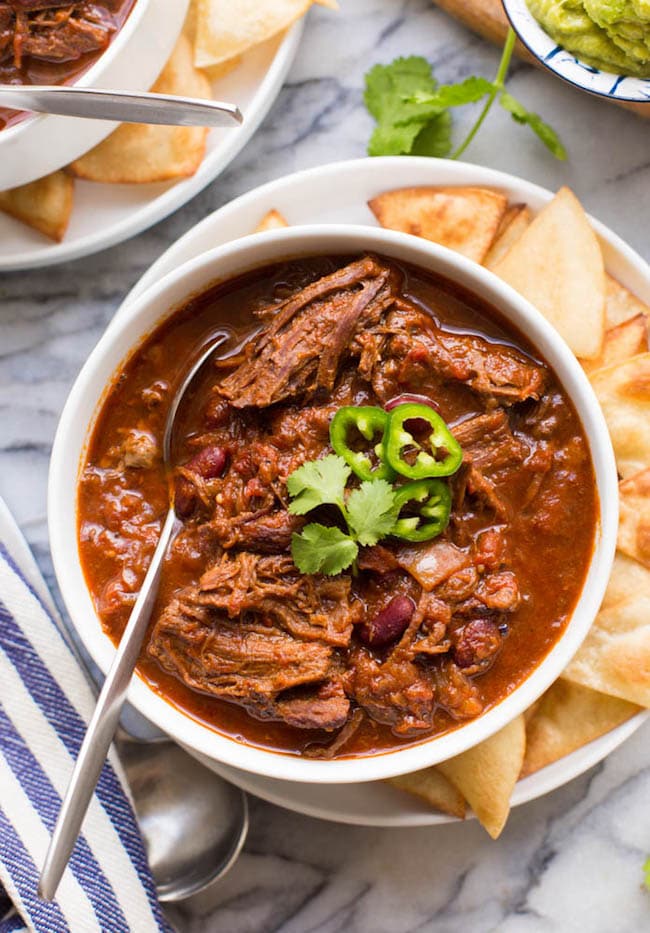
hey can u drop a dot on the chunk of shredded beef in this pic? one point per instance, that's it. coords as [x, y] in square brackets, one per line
[53, 31]
[249, 662]
[301, 350]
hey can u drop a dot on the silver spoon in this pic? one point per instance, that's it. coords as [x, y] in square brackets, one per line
[105, 718]
[194, 823]
[123, 106]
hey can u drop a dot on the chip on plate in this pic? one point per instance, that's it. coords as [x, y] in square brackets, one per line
[615, 656]
[136, 153]
[486, 774]
[435, 788]
[567, 717]
[273, 220]
[620, 303]
[44, 204]
[623, 391]
[621, 342]
[225, 28]
[464, 219]
[515, 220]
[557, 265]
[634, 519]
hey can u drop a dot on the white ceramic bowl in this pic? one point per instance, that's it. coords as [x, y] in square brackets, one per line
[41, 144]
[566, 66]
[125, 335]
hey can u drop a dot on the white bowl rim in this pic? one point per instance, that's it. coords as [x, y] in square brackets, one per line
[92, 75]
[251, 252]
[526, 27]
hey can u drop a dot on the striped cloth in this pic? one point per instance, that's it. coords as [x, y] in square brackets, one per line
[45, 704]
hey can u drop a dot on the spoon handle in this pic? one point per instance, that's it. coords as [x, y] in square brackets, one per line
[103, 724]
[122, 106]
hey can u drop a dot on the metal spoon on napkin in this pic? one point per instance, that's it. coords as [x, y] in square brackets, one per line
[104, 722]
[122, 106]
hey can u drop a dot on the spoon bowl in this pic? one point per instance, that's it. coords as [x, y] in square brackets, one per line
[194, 823]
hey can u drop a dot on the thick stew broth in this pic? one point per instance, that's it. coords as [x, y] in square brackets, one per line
[510, 566]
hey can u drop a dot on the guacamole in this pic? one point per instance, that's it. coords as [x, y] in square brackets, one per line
[613, 35]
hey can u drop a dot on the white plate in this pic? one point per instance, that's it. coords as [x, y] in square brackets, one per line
[338, 193]
[107, 214]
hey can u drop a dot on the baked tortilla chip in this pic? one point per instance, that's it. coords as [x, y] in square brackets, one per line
[44, 204]
[463, 219]
[623, 391]
[557, 265]
[634, 520]
[225, 28]
[515, 220]
[621, 342]
[620, 303]
[567, 717]
[136, 153]
[615, 656]
[271, 221]
[432, 786]
[486, 774]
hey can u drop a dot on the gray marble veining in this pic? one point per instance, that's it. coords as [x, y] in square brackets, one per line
[568, 862]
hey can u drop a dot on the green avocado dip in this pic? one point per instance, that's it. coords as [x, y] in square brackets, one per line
[613, 35]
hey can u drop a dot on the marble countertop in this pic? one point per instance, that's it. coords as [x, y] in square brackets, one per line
[567, 862]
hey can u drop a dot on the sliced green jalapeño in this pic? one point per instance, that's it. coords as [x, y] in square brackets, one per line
[426, 505]
[353, 423]
[436, 453]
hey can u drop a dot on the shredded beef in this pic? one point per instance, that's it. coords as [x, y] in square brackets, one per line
[301, 350]
[53, 31]
[248, 662]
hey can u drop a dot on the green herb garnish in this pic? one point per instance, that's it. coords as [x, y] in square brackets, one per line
[368, 512]
[646, 873]
[413, 111]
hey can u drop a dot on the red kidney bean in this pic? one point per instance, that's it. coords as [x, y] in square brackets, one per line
[389, 624]
[477, 642]
[209, 463]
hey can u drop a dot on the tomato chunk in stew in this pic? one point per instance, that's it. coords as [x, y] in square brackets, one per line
[419, 636]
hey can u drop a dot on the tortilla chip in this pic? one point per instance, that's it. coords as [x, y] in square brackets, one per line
[620, 303]
[568, 717]
[486, 774]
[623, 391]
[557, 265]
[44, 204]
[621, 342]
[615, 656]
[137, 153]
[515, 220]
[463, 219]
[226, 29]
[216, 72]
[634, 521]
[271, 221]
[432, 786]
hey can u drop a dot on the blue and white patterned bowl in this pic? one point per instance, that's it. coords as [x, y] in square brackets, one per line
[566, 66]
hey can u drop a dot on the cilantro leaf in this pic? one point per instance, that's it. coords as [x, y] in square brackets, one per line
[318, 482]
[541, 129]
[434, 139]
[321, 549]
[371, 511]
[646, 873]
[469, 91]
[389, 88]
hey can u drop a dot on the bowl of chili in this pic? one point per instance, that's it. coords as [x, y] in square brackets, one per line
[417, 445]
[116, 44]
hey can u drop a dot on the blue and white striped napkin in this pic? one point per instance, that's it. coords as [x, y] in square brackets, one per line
[45, 704]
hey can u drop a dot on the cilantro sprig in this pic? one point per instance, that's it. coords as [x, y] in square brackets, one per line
[413, 111]
[369, 513]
